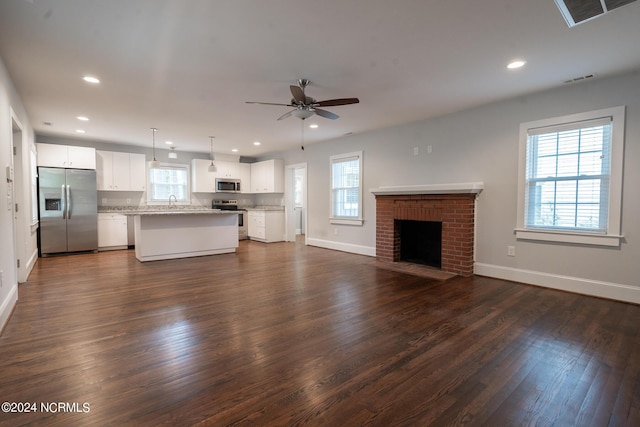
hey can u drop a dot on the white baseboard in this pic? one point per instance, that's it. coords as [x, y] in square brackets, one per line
[614, 291]
[7, 306]
[30, 264]
[344, 247]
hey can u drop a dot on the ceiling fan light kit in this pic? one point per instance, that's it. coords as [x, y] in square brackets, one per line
[302, 114]
[306, 106]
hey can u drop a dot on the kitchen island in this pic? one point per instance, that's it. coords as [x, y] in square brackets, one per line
[169, 234]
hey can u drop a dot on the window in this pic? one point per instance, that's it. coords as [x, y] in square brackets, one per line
[346, 189]
[571, 178]
[169, 180]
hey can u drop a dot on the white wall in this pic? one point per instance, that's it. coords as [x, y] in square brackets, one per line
[481, 144]
[11, 109]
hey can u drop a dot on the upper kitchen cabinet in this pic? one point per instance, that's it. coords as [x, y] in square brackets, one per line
[66, 156]
[229, 170]
[202, 181]
[267, 176]
[245, 178]
[120, 171]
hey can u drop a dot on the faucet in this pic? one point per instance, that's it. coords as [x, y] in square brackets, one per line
[175, 200]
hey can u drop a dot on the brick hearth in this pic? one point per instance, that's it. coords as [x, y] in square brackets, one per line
[455, 211]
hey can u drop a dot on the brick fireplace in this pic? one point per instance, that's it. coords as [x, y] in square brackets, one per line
[453, 205]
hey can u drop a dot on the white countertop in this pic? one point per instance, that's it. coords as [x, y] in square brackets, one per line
[170, 211]
[182, 212]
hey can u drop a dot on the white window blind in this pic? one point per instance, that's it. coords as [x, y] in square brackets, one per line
[570, 178]
[567, 176]
[169, 180]
[346, 192]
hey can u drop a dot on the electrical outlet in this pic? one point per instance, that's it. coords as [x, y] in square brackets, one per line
[335, 231]
[429, 148]
[104, 200]
[416, 151]
[128, 202]
[511, 250]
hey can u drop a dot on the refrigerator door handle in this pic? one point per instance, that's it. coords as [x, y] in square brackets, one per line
[68, 203]
[64, 202]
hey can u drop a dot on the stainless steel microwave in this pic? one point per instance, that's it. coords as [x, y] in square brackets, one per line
[227, 185]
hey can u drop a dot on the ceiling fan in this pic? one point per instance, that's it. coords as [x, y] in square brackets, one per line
[305, 106]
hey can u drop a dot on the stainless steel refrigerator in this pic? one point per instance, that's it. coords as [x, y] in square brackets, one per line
[68, 210]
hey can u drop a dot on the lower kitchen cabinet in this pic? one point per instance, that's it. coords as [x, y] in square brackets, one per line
[112, 231]
[266, 226]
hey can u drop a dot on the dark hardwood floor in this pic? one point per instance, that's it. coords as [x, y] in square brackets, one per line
[283, 334]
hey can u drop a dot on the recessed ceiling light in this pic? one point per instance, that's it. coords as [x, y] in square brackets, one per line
[79, 131]
[91, 79]
[516, 64]
[169, 142]
[83, 118]
[235, 150]
[313, 126]
[256, 143]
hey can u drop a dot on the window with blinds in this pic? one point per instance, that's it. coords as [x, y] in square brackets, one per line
[346, 190]
[567, 176]
[570, 178]
[169, 180]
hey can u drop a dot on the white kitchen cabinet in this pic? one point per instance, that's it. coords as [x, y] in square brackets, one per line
[202, 181]
[66, 156]
[137, 172]
[112, 231]
[229, 170]
[245, 178]
[120, 171]
[267, 176]
[266, 226]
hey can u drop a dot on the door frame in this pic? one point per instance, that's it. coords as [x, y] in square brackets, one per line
[17, 198]
[289, 210]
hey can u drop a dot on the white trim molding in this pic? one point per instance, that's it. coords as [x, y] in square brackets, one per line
[7, 306]
[343, 247]
[458, 188]
[578, 285]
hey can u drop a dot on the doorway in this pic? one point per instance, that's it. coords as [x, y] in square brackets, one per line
[296, 203]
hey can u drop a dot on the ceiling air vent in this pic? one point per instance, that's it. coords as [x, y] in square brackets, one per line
[580, 78]
[578, 11]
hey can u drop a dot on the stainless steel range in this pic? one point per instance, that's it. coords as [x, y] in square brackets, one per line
[232, 205]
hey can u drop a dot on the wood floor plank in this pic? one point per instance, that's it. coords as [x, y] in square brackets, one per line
[286, 334]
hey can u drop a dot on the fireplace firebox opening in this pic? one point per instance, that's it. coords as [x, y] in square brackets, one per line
[421, 242]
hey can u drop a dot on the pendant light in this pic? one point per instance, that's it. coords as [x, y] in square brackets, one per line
[212, 166]
[154, 163]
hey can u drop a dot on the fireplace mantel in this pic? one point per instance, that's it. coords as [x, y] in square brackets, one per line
[459, 188]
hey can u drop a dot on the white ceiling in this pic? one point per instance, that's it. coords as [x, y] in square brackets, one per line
[187, 67]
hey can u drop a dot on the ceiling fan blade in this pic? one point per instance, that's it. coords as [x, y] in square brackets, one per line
[298, 93]
[268, 103]
[285, 115]
[335, 102]
[326, 114]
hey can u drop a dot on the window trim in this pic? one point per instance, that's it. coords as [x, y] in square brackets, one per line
[344, 220]
[613, 236]
[152, 202]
